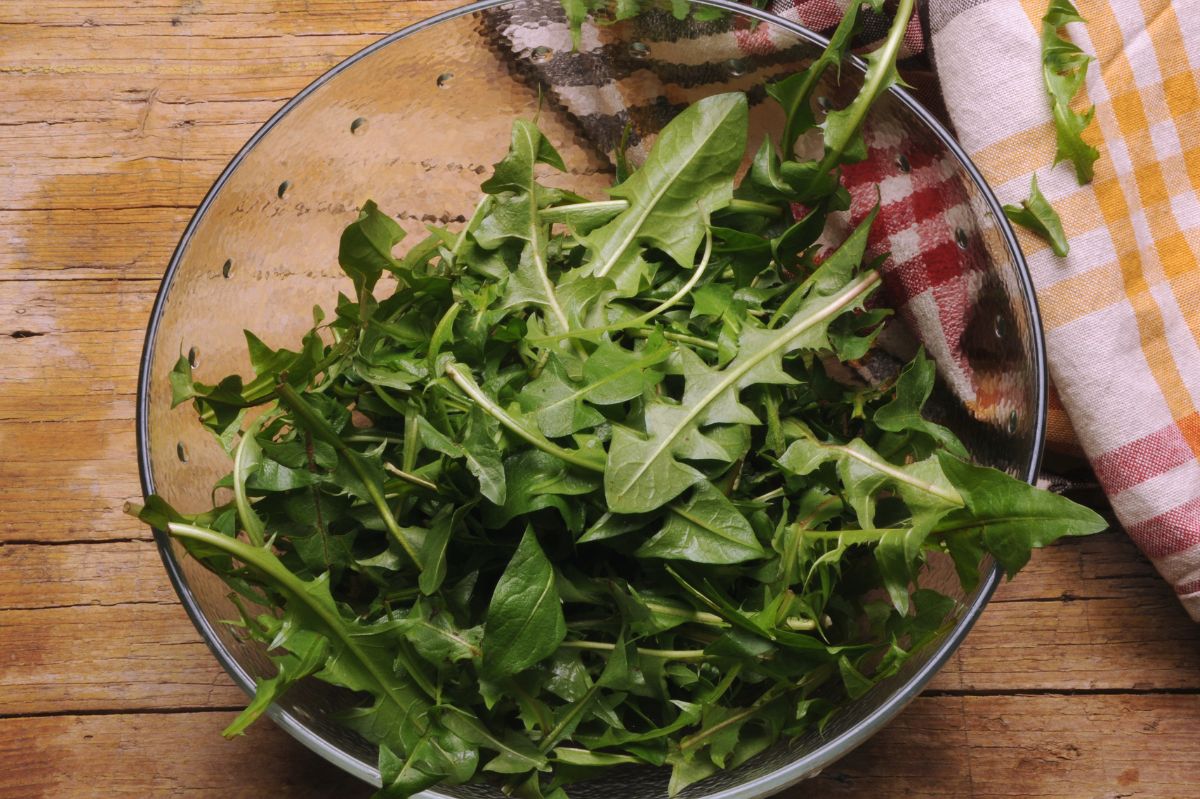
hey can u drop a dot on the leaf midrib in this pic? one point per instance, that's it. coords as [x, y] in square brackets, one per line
[658, 195]
[700, 523]
[535, 237]
[839, 302]
[265, 562]
[608, 378]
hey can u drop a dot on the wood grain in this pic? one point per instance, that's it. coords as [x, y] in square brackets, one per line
[1134, 747]
[1081, 679]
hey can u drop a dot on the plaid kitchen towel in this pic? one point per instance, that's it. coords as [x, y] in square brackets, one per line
[634, 79]
[1122, 312]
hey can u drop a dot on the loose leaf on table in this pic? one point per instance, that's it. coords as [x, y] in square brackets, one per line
[1064, 69]
[1036, 214]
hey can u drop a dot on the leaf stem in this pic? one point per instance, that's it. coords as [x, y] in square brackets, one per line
[698, 737]
[880, 465]
[684, 290]
[665, 654]
[638, 321]
[409, 477]
[730, 376]
[319, 428]
[876, 82]
[561, 213]
[697, 616]
[555, 735]
[265, 562]
[251, 522]
[493, 409]
[682, 338]
[749, 207]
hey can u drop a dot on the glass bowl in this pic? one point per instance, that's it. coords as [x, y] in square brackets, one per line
[414, 122]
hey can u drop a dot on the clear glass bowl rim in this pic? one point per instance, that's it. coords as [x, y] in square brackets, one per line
[798, 769]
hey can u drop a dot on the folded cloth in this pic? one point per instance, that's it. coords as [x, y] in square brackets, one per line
[1121, 312]
[934, 276]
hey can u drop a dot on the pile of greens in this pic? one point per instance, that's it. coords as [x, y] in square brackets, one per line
[575, 490]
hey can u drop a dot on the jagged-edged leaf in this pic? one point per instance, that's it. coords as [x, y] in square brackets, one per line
[1037, 215]
[903, 413]
[644, 472]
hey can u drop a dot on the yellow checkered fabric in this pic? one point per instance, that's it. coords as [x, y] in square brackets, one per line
[1122, 311]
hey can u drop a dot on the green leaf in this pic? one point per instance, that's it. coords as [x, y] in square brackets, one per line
[903, 412]
[366, 246]
[537, 480]
[306, 654]
[1064, 70]
[433, 549]
[713, 299]
[362, 475]
[1015, 517]
[794, 93]
[556, 402]
[360, 655]
[525, 618]
[482, 455]
[923, 487]
[706, 528]
[643, 472]
[431, 631]
[568, 678]
[528, 146]
[515, 753]
[516, 214]
[688, 173]
[856, 683]
[1036, 214]
[843, 127]
[611, 525]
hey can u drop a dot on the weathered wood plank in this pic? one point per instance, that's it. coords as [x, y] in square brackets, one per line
[71, 349]
[1026, 746]
[166, 755]
[98, 658]
[68, 481]
[78, 243]
[1137, 747]
[82, 575]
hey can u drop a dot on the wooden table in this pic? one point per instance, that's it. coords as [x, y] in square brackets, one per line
[1082, 679]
